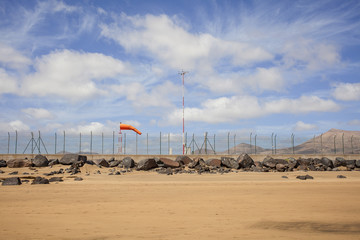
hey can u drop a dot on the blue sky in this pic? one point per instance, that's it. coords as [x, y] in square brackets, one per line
[253, 66]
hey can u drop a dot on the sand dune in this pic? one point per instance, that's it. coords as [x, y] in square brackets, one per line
[147, 205]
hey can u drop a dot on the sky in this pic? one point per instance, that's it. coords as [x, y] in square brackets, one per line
[251, 66]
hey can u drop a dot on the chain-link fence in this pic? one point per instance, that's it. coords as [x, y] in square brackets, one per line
[167, 143]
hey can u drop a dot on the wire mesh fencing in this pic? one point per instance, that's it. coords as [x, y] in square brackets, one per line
[169, 143]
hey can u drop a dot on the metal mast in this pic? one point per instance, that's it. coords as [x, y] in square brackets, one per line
[182, 73]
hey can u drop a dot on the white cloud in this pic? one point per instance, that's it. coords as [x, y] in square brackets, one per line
[301, 126]
[9, 57]
[140, 97]
[8, 84]
[38, 113]
[161, 37]
[71, 75]
[16, 125]
[347, 91]
[235, 108]
[355, 122]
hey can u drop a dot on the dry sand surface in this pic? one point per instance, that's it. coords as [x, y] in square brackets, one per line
[147, 205]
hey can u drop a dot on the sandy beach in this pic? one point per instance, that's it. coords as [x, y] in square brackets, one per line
[147, 205]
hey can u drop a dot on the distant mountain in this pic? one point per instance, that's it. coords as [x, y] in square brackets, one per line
[345, 141]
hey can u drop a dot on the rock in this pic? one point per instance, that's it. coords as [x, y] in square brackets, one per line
[350, 164]
[213, 162]
[357, 163]
[40, 180]
[11, 181]
[269, 162]
[245, 161]
[169, 163]
[40, 161]
[284, 177]
[146, 164]
[78, 179]
[117, 173]
[3, 163]
[53, 162]
[71, 158]
[305, 177]
[327, 162]
[19, 163]
[101, 162]
[183, 160]
[14, 173]
[1, 171]
[128, 162]
[280, 167]
[114, 163]
[194, 163]
[292, 163]
[56, 179]
[340, 176]
[339, 162]
[230, 162]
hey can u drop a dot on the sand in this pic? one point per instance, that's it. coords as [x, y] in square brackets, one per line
[147, 205]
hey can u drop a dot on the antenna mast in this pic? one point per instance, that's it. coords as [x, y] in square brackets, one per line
[182, 73]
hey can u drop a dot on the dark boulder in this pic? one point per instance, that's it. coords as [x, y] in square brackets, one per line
[168, 163]
[14, 173]
[11, 181]
[245, 161]
[327, 162]
[78, 179]
[213, 162]
[340, 176]
[40, 161]
[281, 167]
[53, 162]
[71, 158]
[3, 163]
[183, 160]
[350, 164]
[114, 163]
[357, 163]
[40, 180]
[56, 179]
[269, 162]
[230, 162]
[101, 162]
[305, 161]
[305, 177]
[18, 163]
[292, 163]
[339, 162]
[196, 162]
[128, 162]
[146, 164]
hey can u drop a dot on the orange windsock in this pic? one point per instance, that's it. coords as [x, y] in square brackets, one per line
[129, 127]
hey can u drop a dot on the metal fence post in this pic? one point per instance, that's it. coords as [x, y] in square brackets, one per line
[90, 142]
[80, 144]
[292, 142]
[321, 145]
[8, 143]
[113, 142]
[16, 140]
[55, 143]
[272, 143]
[102, 143]
[228, 143]
[343, 147]
[255, 142]
[64, 144]
[334, 144]
[234, 144]
[314, 145]
[250, 144]
[169, 143]
[160, 143]
[124, 143]
[32, 143]
[352, 147]
[214, 145]
[275, 142]
[205, 142]
[136, 144]
[147, 143]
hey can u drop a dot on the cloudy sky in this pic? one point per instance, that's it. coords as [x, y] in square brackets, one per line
[253, 66]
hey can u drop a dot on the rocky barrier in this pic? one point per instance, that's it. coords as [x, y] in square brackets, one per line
[183, 164]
